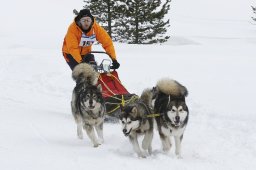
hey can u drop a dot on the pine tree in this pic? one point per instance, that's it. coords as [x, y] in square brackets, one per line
[132, 21]
[107, 12]
[119, 13]
[144, 22]
[254, 11]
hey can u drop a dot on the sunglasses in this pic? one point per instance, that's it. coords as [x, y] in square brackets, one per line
[87, 20]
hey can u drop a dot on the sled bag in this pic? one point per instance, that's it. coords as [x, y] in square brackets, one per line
[111, 84]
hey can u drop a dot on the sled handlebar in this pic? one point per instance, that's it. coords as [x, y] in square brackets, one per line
[100, 67]
[99, 52]
[106, 64]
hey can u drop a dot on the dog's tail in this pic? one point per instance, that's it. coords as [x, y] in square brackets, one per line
[147, 96]
[172, 87]
[85, 73]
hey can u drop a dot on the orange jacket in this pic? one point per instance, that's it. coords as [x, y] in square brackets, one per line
[74, 34]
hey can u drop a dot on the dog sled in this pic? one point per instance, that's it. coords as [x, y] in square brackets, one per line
[113, 91]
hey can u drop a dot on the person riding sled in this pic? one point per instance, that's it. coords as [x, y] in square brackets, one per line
[81, 35]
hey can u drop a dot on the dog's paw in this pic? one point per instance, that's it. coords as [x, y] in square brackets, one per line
[79, 133]
[179, 157]
[142, 155]
[95, 145]
[147, 151]
[80, 136]
[150, 150]
[166, 149]
[101, 140]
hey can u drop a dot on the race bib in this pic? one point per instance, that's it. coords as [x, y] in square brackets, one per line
[87, 40]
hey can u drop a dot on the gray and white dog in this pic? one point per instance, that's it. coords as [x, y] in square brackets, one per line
[135, 121]
[169, 102]
[87, 103]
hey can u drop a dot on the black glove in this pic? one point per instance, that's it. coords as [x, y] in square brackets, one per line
[115, 64]
[88, 58]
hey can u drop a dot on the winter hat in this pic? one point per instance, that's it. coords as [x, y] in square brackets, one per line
[83, 13]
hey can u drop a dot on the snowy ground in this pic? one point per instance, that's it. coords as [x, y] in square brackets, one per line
[210, 52]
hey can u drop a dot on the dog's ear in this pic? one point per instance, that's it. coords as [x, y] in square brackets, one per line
[134, 112]
[99, 87]
[154, 91]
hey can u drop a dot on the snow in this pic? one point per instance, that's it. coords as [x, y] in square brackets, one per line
[211, 52]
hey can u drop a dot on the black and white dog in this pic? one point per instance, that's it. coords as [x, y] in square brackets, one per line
[135, 121]
[87, 103]
[169, 102]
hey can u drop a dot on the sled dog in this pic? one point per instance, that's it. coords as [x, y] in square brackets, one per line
[87, 103]
[135, 121]
[170, 103]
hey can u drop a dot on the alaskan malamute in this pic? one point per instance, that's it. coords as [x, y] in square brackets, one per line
[87, 103]
[170, 103]
[135, 121]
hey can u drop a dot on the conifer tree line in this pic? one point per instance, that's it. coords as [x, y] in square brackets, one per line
[132, 21]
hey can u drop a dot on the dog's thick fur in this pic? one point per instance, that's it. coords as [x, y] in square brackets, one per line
[169, 101]
[87, 103]
[135, 122]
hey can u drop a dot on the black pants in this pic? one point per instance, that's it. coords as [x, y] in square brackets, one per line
[72, 62]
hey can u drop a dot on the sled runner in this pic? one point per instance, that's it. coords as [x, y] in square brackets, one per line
[113, 91]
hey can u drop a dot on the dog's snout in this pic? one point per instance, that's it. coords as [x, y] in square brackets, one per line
[90, 102]
[177, 118]
[124, 130]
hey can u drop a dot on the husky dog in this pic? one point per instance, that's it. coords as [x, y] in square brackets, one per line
[135, 121]
[87, 103]
[170, 102]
